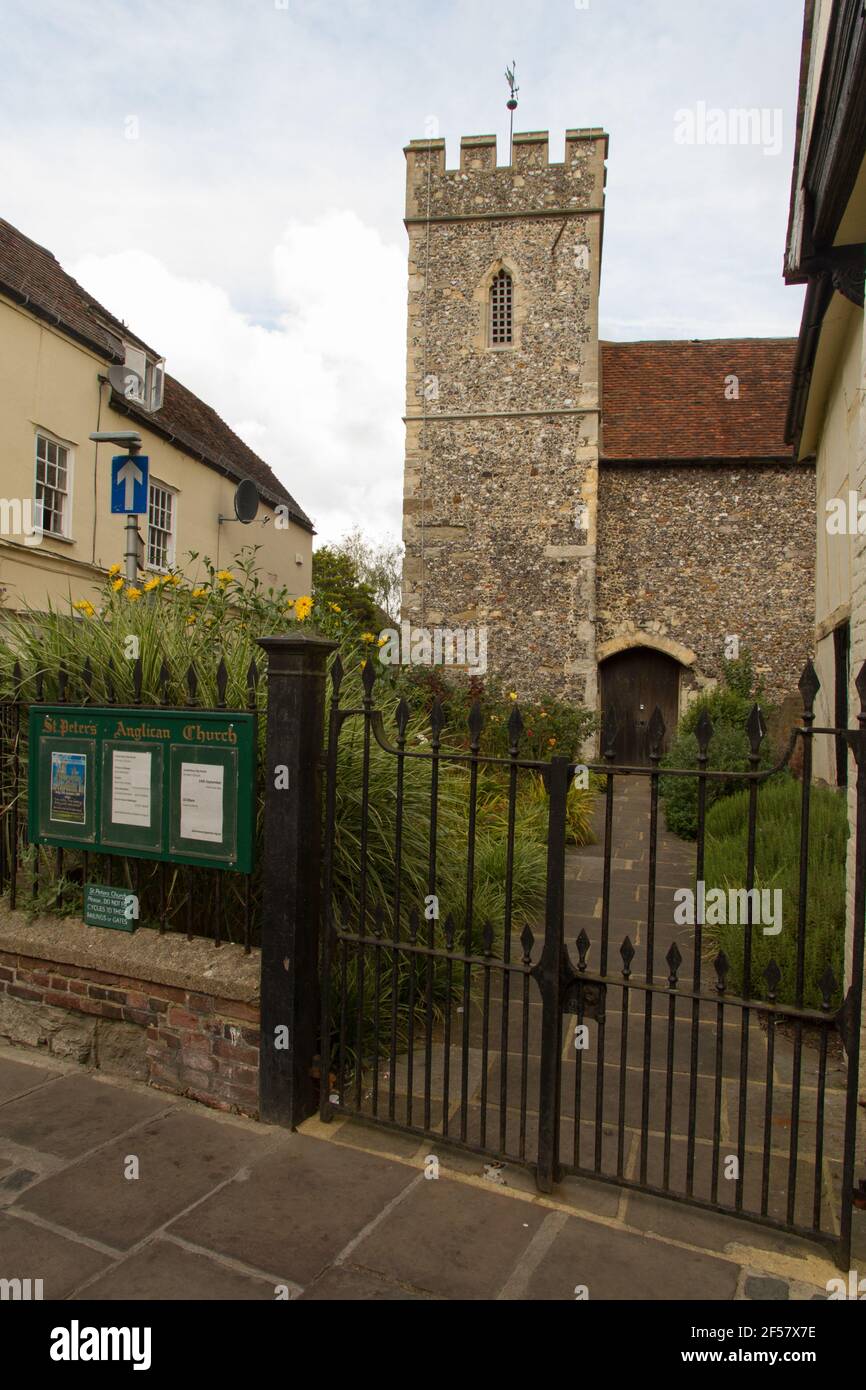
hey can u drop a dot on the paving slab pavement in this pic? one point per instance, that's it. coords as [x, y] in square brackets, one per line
[113, 1191]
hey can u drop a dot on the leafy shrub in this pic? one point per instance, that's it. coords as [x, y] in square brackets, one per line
[731, 701]
[336, 582]
[728, 707]
[777, 865]
[728, 752]
[549, 726]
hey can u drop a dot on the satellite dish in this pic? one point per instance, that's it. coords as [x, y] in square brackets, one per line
[127, 383]
[246, 501]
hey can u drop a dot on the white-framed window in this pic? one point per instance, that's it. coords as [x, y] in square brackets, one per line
[161, 525]
[502, 310]
[53, 491]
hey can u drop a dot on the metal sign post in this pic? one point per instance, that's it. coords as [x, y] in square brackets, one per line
[130, 549]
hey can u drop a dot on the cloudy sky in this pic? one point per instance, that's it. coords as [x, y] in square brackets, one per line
[227, 176]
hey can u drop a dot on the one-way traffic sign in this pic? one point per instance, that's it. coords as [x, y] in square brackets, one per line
[129, 484]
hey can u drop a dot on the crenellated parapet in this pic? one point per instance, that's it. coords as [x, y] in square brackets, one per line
[530, 183]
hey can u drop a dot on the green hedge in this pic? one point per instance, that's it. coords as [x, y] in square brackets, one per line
[728, 707]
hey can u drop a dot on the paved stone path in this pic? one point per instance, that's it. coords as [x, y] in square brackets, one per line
[223, 1208]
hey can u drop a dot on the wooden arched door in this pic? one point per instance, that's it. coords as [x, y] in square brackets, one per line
[633, 682]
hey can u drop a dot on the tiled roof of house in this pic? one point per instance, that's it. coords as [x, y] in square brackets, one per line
[34, 278]
[197, 429]
[666, 400]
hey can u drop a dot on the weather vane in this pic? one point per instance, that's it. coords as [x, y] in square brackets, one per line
[512, 107]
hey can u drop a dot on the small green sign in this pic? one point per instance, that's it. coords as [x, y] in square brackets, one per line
[110, 907]
[175, 785]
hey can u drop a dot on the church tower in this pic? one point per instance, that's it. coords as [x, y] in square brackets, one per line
[502, 403]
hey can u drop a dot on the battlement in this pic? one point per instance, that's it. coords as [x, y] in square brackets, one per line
[575, 182]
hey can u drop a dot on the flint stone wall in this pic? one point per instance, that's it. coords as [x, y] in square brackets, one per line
[692, 553]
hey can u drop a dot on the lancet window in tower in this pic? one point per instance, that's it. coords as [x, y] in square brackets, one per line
[501, 310]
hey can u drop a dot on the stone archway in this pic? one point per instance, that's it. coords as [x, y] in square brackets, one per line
[628, 641]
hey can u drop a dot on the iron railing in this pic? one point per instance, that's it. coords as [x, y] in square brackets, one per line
[685, 1083]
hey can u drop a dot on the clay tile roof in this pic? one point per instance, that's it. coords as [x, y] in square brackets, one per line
[666, 400]
[196, 428]
[34, 278]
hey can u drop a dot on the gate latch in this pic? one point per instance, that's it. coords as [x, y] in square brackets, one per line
[586, 998]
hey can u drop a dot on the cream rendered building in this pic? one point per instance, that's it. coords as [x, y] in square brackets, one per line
[826, 250]
[57, 346]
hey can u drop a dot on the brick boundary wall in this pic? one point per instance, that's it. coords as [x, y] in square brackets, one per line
[194, 1042]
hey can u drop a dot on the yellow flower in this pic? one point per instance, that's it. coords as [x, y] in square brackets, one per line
[367, 637]
[85, 606]
[199, 592]
[115, 569]
[190, 617]
[166, 579]
[133, 594]
[363, 663]
[381, 641]
[303, 607]
[117, 584]
[335, 607]
[512, 694]
[224, 576]
[551, 742]
[151, 584]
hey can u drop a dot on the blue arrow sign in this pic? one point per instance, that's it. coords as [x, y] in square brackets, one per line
[129, 483]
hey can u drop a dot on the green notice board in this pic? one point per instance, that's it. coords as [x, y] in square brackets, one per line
[176, 785]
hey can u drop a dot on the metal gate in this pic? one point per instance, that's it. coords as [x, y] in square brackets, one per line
[640, 1058]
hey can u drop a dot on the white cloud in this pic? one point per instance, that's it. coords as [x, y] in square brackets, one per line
[248, 112]
[318, 393]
